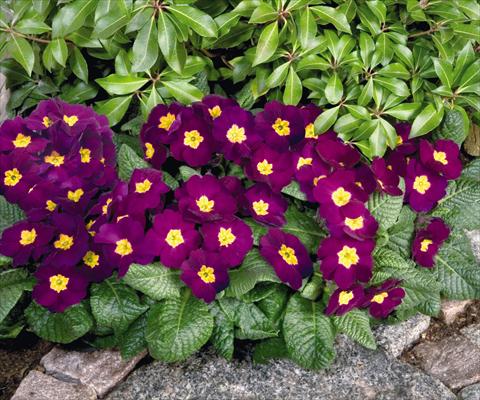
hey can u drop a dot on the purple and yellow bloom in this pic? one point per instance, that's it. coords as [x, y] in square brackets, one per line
[124, 243]
[213, 106]
[231, 238]
[264, 205]
[387, 179]
[15, 136]
[204, 198]
[205, 273]
[93, 265]
[233, 185]
[146, 189]
[70, 241]
[424, 188]
[427, 242]
[345, 260]
[271, 167]
[405, 145]
[280, 125]
[354, 220]
[310, 113]
[397, 162]
[383, 299]
[173, 238]
[58, 288]
[441, 157]
[234, 133]
[25, 241]
[336, 152]
[343, 300]
[288, 256]
[193, 142]
[365, 179]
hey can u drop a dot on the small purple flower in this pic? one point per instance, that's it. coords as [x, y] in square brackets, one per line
[441, 157]
[204, 198]
[280, 125]
[146, 189]
[365, 179]
[232, 239]
[173, 238]
[58, 287]
[271, 167]
[124, 243]
[25, 241]
[234, 133]
[345, 260]
[288, 256]
[266, 206]
[310, 113]
[205, 273]
[336, 152]
[405, 145]
[424, 188]
[387, 179]
[354, 220]
[94, 265]
[397, 162]
[213, 106]
[383, 299]
[193, 142]
[343, 300]
[15, 136]
[18, 174]
[427, 242]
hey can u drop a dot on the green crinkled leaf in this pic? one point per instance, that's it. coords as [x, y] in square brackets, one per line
[133, 342]
[273, 305]
[356, 325]
[178, 327]
[9, 214]
[268, 349]
[12, 285]
[293, 189]
[115, 305]
[253, 270]
[223, 334]
[308, 333]
[64, 327]
[253, 324]
[401, 234]
[385, 208]
[455, 126]
[155, 280]
[128, 160]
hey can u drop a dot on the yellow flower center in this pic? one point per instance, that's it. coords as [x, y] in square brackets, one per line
[304, 161]
[348, 256]
[58, 283]
[205, 204]
[166, 121]
[174, 238]
[260, 207]
[47, 122]
[399, 140]
[22, 140]
[149, 150]
[64, 242]
[281, 127]
[12, 177]
[70, 121]
[288, 255]
[379, 298]
[236, 134]
[91, 259]
[310, 131]
[123, 247]
[226, 237]
[421, 184]
[55, 159]
[85, 155]
[341, 197]
[354, 223]
[192, 139]
[76, 195]
[215, 111]
[425, 244]
[143, 187]
[317, 178]
[206, 274]
[440, 156]
[265, 168]
[89, 225]
[28, 237]
[50, 205]
[345, 297]
[105, 206]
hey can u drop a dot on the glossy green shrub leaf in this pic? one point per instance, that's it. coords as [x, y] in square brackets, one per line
[71, 17]
[192, 17]
[145, 47]
[267, 44]
[428, 119]
[114, 109]
[121, 84]
[22, 52]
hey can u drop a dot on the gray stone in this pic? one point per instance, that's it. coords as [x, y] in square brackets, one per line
[454, 360]
[472, 332]
[101, 370]
[397, 338]
[451, 309]
[474, 237]
[470, 393]
[357, 373]
[38, 386]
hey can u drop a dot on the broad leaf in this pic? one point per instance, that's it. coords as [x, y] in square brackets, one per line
[356, 325]
[12, 285]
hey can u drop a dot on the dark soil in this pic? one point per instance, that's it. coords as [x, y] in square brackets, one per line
[17, 358]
